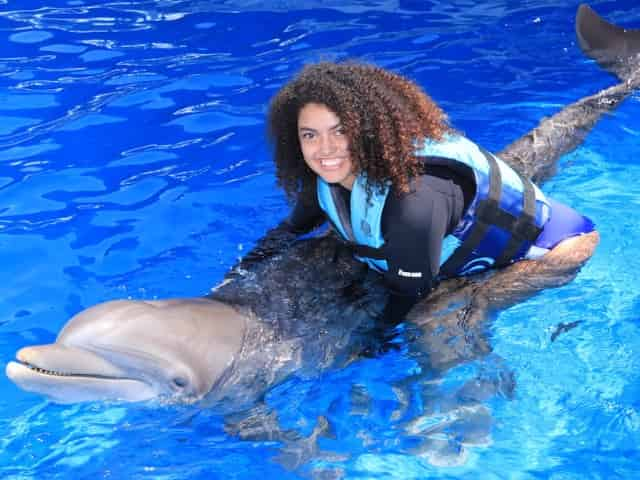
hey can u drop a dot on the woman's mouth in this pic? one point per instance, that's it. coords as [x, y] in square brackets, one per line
[331, 163]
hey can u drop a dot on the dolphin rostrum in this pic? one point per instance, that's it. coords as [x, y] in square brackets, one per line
[306, 305]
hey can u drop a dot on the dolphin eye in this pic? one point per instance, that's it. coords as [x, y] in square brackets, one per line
[179, 383]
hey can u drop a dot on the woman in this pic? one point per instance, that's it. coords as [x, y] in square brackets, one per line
[370, 151]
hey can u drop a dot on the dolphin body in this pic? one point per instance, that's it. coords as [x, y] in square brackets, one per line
[306, 305]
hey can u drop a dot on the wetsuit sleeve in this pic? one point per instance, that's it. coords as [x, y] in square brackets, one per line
[414, 227]
[304, 217]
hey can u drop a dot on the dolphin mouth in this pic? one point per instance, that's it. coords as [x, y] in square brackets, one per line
[68, 374]
[60, 360]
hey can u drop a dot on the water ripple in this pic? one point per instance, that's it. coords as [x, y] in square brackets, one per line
[90, 19]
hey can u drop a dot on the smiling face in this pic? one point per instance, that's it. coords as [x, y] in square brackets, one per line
[324, 144]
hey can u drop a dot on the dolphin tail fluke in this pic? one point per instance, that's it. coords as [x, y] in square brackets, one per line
[616, 49]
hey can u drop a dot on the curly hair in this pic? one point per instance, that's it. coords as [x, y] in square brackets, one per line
[385, 117]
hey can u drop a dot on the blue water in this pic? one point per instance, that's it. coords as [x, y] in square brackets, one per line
[133, 165]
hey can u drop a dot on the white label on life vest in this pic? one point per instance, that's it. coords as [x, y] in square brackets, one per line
[402, 273]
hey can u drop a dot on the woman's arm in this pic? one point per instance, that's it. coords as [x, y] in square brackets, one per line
[304, 217]
[414, 227]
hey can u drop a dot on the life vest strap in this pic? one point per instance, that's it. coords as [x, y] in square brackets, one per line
[488, 213]
[524, 229]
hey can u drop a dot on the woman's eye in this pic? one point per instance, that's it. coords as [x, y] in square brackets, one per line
[306, 136]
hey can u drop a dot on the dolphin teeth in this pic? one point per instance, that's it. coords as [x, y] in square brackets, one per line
[45, 371]
[54, 373]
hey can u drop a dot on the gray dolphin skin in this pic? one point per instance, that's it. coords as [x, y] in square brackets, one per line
[534, 155]
[308, 305]
[607, 43]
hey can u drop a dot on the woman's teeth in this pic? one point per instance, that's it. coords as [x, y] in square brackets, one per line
[330, 163]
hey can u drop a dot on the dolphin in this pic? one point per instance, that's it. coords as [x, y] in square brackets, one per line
[124, 350]
[613, 47]
[303, 306]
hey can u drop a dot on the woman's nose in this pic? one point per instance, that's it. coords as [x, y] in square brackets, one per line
[327, 145]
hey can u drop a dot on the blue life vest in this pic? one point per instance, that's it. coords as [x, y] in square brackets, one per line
[502, 221]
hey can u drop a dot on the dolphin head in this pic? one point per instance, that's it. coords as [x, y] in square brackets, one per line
[135, 350]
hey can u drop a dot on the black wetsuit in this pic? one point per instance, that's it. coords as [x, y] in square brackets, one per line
[413, 226]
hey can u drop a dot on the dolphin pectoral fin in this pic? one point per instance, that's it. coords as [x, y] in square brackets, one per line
[451, 422]
[299, 452]
[260, 423]
[451, 324]
[445, 438]
[616, 49]
[257, 423]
